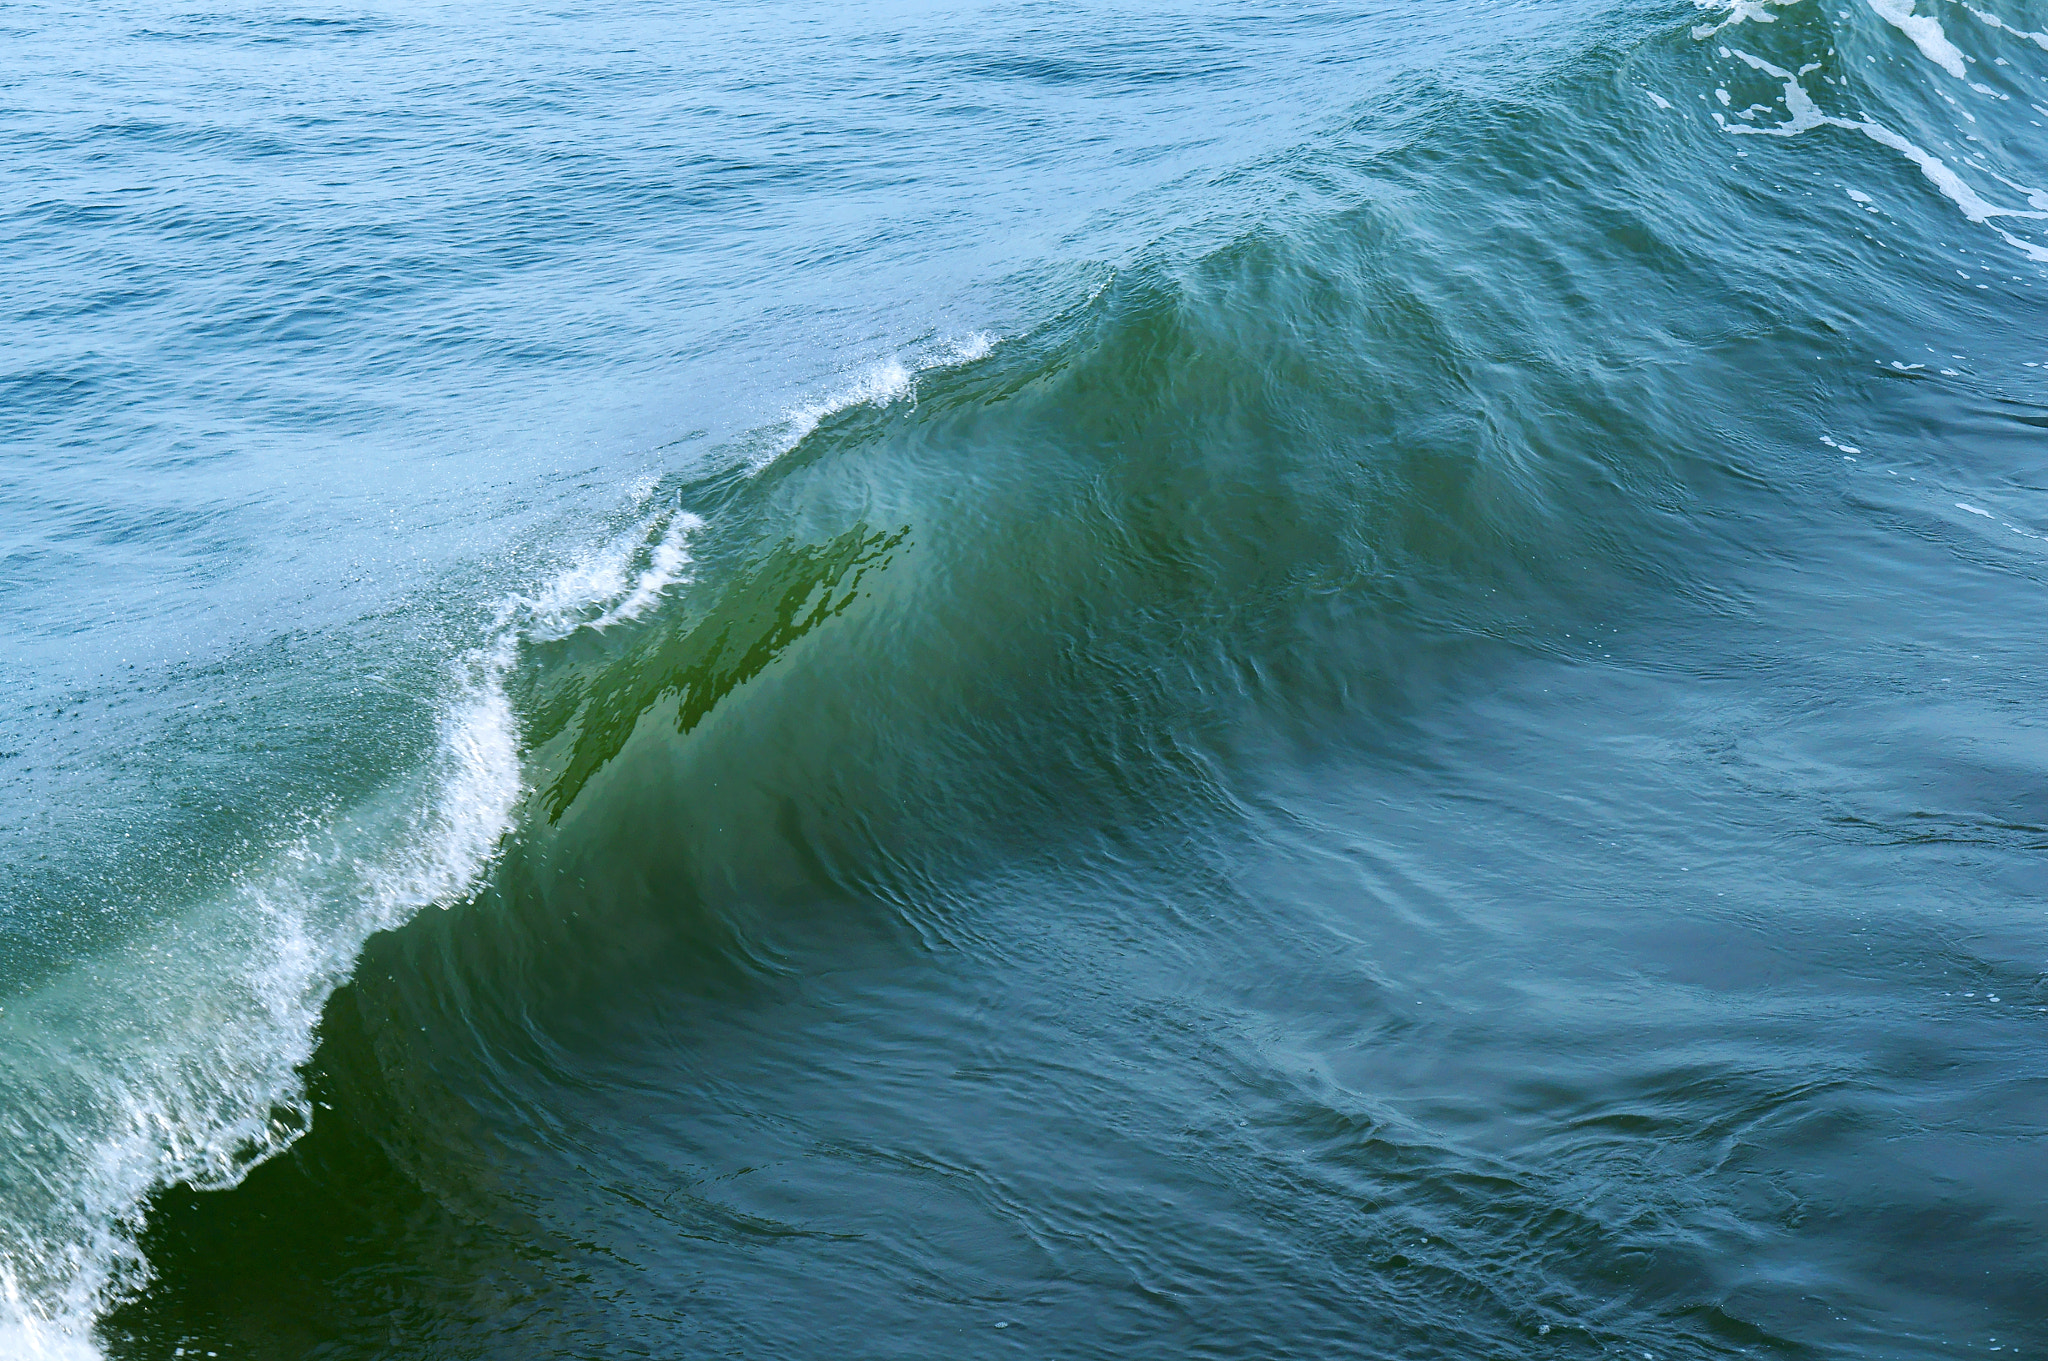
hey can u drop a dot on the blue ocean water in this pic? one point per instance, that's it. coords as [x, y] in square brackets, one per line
[325, 322]
[1234, 679]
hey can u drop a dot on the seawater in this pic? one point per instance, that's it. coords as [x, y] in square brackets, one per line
[1239, 680]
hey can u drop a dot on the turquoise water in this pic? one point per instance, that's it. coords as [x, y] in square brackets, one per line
[1234, 680]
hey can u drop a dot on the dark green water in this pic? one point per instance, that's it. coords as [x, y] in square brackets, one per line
[1427, 743]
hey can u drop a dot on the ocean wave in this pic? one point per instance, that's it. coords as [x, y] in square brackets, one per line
[197, 1077]
[176, 1060]
[1283, 492]
[878, 385]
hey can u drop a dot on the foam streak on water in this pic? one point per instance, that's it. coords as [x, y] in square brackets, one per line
[1804, 114]
[2039, 39]
[1925, 32]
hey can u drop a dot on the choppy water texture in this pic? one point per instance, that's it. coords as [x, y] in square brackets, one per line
[904, 680]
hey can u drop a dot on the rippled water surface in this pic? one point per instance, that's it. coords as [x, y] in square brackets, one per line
[1229, 680]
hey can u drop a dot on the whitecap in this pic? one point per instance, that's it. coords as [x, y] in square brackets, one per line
[190, 1072]
[880, 384]
[668, 562]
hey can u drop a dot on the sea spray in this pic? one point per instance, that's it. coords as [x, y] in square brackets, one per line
[175, 1059]
[196, 1080]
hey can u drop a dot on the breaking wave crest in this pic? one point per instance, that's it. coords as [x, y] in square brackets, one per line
[179, 1056]
[185, 1068]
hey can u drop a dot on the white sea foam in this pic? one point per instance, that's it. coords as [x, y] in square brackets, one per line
[668, 561]
[1925, 32]
[616, 583]
[1738, 12]
[188, 1070]
[881, 384]
[177, 1058]
[1803, 115]
[1975, 207]
[2036, 198]
[26, 1336]
[2026, 248]
[558, 608]
[877, 386]
[2040, 39]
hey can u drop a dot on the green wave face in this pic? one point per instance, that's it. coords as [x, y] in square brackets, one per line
[753, 621]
